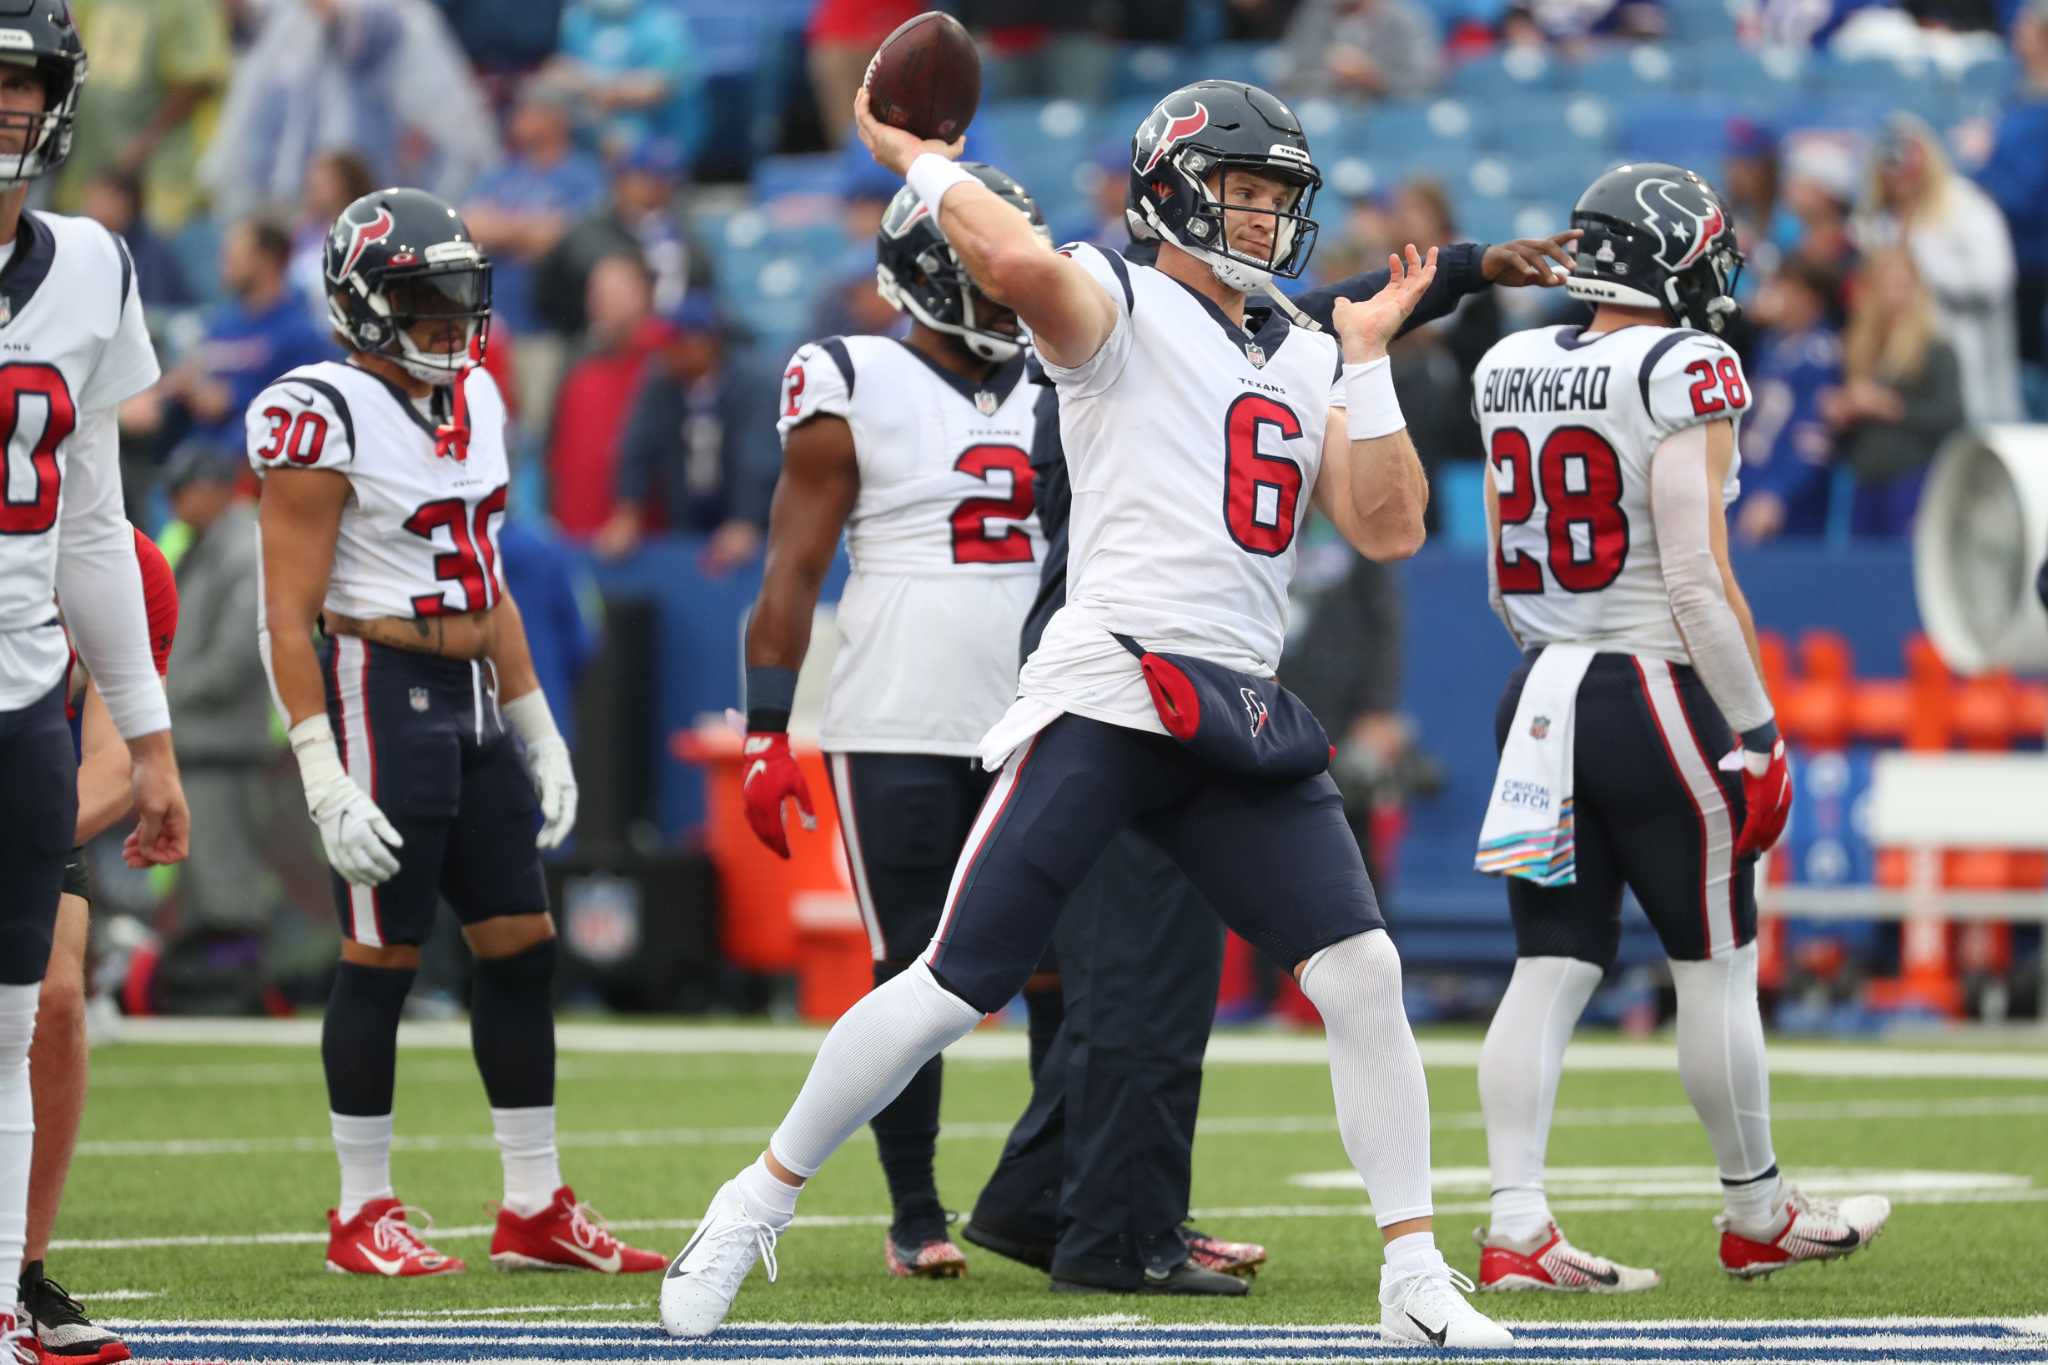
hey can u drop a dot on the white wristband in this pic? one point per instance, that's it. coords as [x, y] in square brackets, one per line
[931, 175]
[312, 740]
[530, 716]
[1373, 410]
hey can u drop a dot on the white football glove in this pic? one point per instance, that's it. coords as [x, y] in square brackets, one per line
[360, 842]
[547, 761]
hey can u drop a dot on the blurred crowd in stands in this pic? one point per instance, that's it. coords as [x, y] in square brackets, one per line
[668, 193]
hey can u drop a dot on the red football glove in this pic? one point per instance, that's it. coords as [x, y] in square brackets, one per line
[771, 777]
[1766, 796]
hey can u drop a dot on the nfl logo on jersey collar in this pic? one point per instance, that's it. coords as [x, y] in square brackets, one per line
[1256, 354]
[6, 310]
[986, 403]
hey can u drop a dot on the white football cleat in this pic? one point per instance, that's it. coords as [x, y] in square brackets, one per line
[705, 1276]
[1548, 1262]
[1429, 1309]
[1803, 1229]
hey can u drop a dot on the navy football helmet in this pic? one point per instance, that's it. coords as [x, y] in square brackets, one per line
[1209, 128]
[41, 34]
[917, 272]
[1657, 236]
[399, 258]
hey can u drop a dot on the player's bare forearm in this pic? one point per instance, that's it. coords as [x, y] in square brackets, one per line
[813, 498]
[105, 791]
[300, 519]
[1390, 467]
[510, 654]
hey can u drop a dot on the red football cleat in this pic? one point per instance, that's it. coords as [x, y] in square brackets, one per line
[17, 1343]
[1803, 1229]
[380, 1241]
[1548, 1262]
[566, 1235]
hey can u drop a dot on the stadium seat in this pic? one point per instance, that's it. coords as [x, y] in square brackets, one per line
[1870, 87]
[1149, 70]
[1492, 78]
[1741, 79]
[1700, 20]
[1633, 71]
[1551, 124]
[819, 173]
[1259, 63]
[1688, 133]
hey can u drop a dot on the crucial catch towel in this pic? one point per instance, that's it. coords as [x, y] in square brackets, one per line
[1528, 829]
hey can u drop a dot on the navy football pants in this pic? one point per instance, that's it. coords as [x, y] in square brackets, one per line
[1275, 859]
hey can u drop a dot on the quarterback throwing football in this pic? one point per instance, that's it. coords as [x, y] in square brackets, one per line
[1196, 428]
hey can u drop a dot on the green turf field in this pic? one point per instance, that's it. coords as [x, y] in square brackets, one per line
[204, 1171]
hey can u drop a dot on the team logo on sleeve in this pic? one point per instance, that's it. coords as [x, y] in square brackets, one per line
[1163, 131]
[1685, 218]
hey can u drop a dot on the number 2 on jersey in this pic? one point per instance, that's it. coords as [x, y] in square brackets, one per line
[972, 544]
[473, 563]
[1594, 505]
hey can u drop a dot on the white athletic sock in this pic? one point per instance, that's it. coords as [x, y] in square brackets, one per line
[768, 1193]
[1519, 1067]
[1721, 1062]
[363, 1144]
[1375, 1071]
[1412, 1253]
[533, 1168]
[17, 1126]
[866, 1060]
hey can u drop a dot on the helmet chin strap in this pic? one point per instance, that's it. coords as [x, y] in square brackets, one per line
[983, 345]
[1232, 273]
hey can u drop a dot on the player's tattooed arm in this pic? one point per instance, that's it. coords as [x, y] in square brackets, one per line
[300, 519]
[813, 499]
[1069, 314]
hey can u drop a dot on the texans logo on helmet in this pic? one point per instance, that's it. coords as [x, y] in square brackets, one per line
[361, 235]
[1178, 128]
[1685, 217]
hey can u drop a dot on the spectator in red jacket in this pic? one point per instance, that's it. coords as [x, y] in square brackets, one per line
[591, 407]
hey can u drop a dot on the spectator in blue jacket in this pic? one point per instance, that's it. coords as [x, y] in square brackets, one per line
[699, 454]
[635, 64]
[259, 333]
[2016, 178]
[521, 210]
[1786, 443]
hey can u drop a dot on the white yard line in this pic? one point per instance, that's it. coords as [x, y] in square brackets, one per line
[1228, 1048]
[1227, 1125]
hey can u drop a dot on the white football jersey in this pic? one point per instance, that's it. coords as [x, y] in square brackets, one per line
[1193, 449]
[1571, 421]
[419, 534]
[943, 539]
[73, 344]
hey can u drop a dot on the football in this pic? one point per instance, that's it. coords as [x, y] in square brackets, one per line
[926, 77]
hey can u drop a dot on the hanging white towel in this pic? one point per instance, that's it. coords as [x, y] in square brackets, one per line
[1528, 829]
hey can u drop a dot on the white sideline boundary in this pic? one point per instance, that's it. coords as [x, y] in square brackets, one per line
[1220, 1126]
[1890, 1061]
